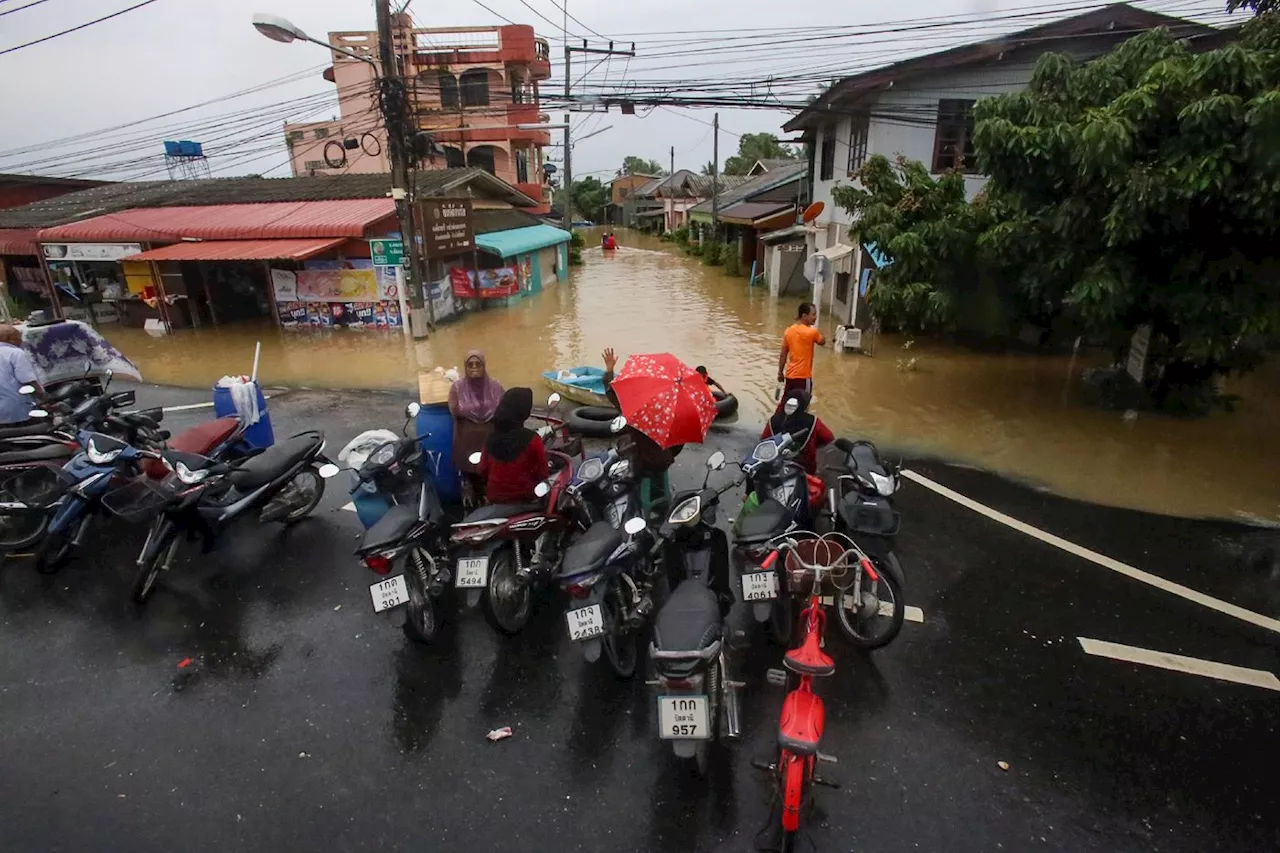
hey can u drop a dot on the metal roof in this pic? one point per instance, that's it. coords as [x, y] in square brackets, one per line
[340, 218]
[508, 244]
[240, 250]
[753, 187]
[19, 241]
[750, 211]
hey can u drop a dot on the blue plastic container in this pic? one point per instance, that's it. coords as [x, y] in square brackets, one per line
[435, 426]
[371, 505]
[258, 435]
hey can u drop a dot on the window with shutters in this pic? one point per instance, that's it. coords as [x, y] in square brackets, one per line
[448, 89]
[321, 132]
[953, 144]
[859, 132]
[828, 164]
[474, 86]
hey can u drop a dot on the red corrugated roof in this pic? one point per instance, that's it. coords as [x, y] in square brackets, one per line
[240, 250]
[278, 220]
[19, 241]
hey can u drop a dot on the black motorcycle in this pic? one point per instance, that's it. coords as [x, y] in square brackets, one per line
[697, 698]
[201, 498]
[413, 533]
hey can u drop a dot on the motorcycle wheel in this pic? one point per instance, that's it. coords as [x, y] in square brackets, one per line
[509, 601]
[421, 622]
[782, 620]
[57, 549]
[308, 488]
[144, 580]
[880, 628]
[621, 649]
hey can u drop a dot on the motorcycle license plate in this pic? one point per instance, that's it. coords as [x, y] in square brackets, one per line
[683, 718]
[389, 593]
[760, 586]
[473, 573]
[585, 622]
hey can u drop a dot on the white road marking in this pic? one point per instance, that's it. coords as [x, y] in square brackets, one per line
[351, 507]
[190, 406]
[914, 614]
[1180, 663]
[1106, 562]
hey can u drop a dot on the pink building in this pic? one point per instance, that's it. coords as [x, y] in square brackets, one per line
[470, 88]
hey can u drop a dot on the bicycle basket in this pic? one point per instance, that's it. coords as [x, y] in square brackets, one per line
[140, 499]
[830, 552]
[38, 487]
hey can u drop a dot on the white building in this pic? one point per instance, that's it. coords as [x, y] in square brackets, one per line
[922, 109]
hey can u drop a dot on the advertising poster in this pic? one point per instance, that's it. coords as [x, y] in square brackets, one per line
[343, 313]
[493, 284]
[340, 285]
[284, 283]
[318, 315]
[365, 315]
[292, 313]
[391, 310]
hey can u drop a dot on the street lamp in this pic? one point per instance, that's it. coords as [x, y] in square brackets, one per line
[279, 29]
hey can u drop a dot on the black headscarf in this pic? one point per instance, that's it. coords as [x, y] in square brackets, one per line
[510, 437]
[782, 422]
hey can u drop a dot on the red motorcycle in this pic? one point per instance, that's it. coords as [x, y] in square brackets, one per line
[505, 550]
[809, 559]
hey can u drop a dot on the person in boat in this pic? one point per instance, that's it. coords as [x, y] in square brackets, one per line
[514, 460]
[811, 431]
[473, 400]
[650, 461]
[711, 383]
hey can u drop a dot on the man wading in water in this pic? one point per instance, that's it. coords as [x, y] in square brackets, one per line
[795, 362]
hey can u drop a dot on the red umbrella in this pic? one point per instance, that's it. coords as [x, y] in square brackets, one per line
[665, 399]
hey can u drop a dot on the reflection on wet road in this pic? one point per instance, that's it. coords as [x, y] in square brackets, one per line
[1016, 414]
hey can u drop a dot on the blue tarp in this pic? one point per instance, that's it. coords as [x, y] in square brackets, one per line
[519, 241]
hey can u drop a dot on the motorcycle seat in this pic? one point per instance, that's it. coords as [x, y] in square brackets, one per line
[591, 549]
[203, 438]
[801, 723]
[689, 621]
[54, 450]
[808, 658]
[274, 461]
[766, 521]
[389, 529]
[25, 429]
[866, 458]
[492, 512]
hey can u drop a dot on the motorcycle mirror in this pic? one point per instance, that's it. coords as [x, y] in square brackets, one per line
[411, 410]
[475, 458]
[634, 526]
[617, 425]
[791, 406]
[37, 413]
[328, 470]
[27, 389]
[715, 461]
[541, 490]
[553, 401]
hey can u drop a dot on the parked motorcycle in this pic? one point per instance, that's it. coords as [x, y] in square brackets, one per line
[202, 497]
[861, 506]
[608, 571]
[697, 697]
[412, 530]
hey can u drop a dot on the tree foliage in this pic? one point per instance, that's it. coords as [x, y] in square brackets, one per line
[632, 165]
[1142, 188]
[753, 147]
[590, 197]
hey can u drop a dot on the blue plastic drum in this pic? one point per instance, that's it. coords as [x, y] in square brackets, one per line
[435, 428]
[258, 435]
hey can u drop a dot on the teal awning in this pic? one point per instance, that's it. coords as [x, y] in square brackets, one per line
[519, 241]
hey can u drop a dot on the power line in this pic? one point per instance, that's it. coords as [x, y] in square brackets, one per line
[491, 12]
[77, 28]
[20, 8]
[563, 7]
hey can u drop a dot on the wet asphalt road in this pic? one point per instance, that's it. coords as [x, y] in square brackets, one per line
[306, 722]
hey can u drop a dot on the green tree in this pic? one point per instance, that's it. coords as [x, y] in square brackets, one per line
[632, 165]
[753, 147]
[709, 168]
[1143, 188]
[590, 197]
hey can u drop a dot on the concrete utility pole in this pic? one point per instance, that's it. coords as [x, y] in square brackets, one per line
[673, 160]
[394, 110]
[568, 151]
[715, 174]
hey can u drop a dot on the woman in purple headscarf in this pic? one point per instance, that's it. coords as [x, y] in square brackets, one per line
[472, 400]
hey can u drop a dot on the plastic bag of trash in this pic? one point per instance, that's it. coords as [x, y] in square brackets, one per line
[358, 449]
[244, 395]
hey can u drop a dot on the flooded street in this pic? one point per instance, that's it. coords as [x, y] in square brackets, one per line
[1018, 415]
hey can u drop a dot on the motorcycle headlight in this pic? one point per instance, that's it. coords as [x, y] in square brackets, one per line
[686, 511]
[188, 476]
[592, 469]
[884, 485]
[766, 451]
[98, 457]
[383, 455]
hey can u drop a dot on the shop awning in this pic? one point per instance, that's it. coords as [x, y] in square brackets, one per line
[518, 241]
[19, 241]
[750, 212]
[240, 250]
[836, 252]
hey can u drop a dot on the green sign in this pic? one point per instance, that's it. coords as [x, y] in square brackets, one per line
[387, 253]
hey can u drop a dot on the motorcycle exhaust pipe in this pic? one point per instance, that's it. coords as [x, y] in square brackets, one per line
[472, 597]
[732, 707]
[591, 650]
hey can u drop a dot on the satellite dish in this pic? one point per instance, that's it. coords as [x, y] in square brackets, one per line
[813, 211]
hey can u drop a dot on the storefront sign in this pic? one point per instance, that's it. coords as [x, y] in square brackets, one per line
[493, 284]
[1138, 344]
[352, 315]
[447, 227]
[90, 251]
[284, 283]
[387, 253]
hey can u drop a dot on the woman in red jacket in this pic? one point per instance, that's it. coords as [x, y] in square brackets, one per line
[813, 432]
[515, 459]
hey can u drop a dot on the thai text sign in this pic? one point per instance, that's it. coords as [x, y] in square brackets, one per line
[447, 226]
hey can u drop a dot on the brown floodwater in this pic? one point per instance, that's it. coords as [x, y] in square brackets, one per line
[1020, 415]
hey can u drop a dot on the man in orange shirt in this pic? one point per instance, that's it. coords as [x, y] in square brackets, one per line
[795, 362]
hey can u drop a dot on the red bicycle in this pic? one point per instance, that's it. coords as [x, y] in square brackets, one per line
[833, 557]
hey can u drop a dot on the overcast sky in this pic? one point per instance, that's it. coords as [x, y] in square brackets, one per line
[175, 53]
